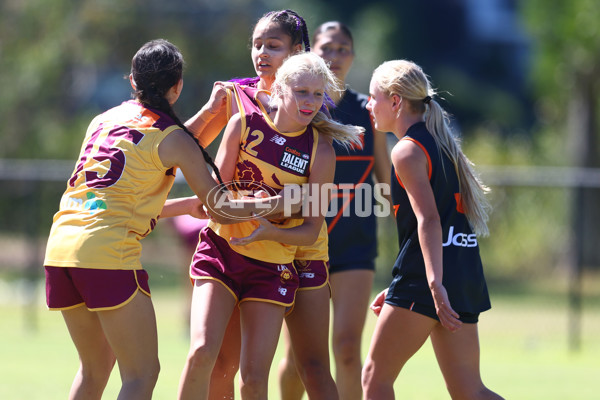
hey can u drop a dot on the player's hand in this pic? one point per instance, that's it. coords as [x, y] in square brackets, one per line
[377, 304]
[218, 97]
[265, 231]
[448, 317]
[197, 210]
[261, 194]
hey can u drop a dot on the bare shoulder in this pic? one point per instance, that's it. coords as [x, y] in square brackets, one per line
[325, 148]
[233, 128]
[406, 152]
[172, 147]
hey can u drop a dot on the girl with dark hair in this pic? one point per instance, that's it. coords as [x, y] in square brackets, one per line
[113, 200]
[276, 36]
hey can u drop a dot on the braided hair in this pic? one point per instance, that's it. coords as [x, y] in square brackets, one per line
[292, 24]
[156, 67]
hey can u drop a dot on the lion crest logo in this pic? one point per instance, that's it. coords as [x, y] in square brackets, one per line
[285, 275]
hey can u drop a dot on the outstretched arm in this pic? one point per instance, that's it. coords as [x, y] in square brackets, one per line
[178, 149]
[209, 121]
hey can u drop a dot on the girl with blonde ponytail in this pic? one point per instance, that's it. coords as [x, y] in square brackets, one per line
[249, 264]
[417, 91]
[438, 287]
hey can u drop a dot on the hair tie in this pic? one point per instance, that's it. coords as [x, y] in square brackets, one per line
[298, 23]
[133, 81]
[427, 99]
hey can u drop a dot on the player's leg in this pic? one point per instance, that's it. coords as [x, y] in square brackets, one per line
[95, 355]
[131, 332]
[222, 380]
[308, 326]
[212, 305]
[398, 334]
[290, 384]
[261, 325]
[458, 357]
[351, 291]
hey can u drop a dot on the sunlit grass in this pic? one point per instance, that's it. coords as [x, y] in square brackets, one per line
[524, 346]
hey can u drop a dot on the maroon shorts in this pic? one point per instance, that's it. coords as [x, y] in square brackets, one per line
[246, 278]
[97, 289]
[314, 274]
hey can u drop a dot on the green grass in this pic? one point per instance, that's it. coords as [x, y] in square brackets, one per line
[524, 348]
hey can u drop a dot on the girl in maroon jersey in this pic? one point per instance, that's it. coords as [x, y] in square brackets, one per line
[276, 36]
[230, 271]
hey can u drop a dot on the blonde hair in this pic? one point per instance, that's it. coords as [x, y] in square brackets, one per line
[407, 80]
[310, 63]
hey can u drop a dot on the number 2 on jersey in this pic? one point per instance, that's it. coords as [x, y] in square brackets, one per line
[255, 142]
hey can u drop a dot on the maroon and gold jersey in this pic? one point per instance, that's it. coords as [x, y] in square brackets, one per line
[272, 159]
[116, 192]
[247, 100]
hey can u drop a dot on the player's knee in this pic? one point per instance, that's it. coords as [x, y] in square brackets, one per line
[253, 382]
[346, 349]
[314, 372]
[366, 375]
[98, 370]
[141, 378]
[202, 356]
[149, 372]
[372, 385]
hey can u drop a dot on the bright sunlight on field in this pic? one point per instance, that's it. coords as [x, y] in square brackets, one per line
[523, 345]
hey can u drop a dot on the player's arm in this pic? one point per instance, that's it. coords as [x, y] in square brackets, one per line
[209, 121]
[412, 168]
[178, 149]
[228, 153]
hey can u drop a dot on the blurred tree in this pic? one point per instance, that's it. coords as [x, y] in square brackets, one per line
[567, 78]
[63, 62]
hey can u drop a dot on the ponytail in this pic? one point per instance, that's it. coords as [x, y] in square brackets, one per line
[156, 67]
[346, 135]
[472, 190]
[407, 80]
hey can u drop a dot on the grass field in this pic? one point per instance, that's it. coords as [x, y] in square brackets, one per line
[523, 338]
